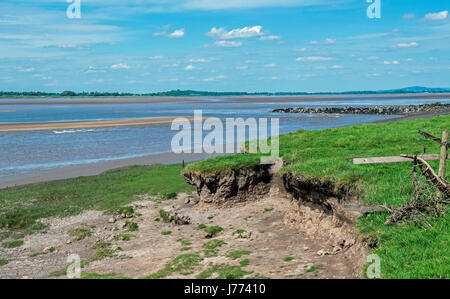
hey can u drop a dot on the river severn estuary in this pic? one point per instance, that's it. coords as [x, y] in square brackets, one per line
[31, 151]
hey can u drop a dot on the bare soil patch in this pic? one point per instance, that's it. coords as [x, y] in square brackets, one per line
[272, 236]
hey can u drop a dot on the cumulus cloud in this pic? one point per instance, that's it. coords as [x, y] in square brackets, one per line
[270, 37]
[437, 16]
[189, 67]
[270, 65]
[228, 44]
[246, 32]
[120, 66]
[327, 41]
[407, 45]
[26, 70]
[391, 62]
[336, 67]
[177, 33]
[314, 58]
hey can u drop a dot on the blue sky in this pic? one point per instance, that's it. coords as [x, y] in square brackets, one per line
[228, 45]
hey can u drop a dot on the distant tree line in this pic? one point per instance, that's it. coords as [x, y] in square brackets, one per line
[184, 93]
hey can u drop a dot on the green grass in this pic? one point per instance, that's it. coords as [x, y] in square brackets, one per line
[224, 163]
[124, 237]
[99, 245]
[3, 262]
[183, 264]
[239, 232]
[224, 271]
[80, 233]
[244, 263]
[21, 207]
[211, 231]
[288, 258]
[406, 251]
[237, 254]
[165, 233]
[214, 244]
[13, 244]
[184, 242]
[131, 226]
[102, 276]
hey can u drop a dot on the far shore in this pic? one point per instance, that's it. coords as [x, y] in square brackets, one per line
[226, 99]
[88, 124]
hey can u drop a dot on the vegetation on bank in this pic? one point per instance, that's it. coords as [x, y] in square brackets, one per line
[406, 251]
[21, 207]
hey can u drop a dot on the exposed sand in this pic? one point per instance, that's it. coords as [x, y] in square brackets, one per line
[88, 124]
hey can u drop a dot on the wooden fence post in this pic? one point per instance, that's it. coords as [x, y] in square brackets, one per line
[443, 157]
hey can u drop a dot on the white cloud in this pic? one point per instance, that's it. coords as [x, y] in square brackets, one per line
[177, 33]
[336, 67]
[234, 4]
[437, 16]
[314, 58]
[224, 43]
[246, 32]
[198, 60]
[26, 70]
[373, 58]
[189, 67]
[120, 66]
[391, 62]
[156, 57]
[242, 67]
[275, 78]
[407, 45]
[270, 65]
[327, 41]
[270, 37]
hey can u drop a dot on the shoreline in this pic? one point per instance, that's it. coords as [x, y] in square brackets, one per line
[16, 127]
[166, 158]
[226, 99]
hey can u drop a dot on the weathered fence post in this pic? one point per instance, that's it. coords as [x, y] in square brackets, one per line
[443, 157]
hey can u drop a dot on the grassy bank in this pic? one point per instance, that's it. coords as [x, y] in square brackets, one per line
[20, 207]
[406, 251]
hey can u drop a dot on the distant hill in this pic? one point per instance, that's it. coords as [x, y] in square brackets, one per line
[417, 89]
[192, 93]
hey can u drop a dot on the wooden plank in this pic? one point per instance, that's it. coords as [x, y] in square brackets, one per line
[443, 158]
[429, 136]
[395, 159]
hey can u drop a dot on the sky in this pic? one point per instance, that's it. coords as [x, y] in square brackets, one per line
[144, 46]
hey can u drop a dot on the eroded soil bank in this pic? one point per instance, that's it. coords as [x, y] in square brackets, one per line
[266, 232]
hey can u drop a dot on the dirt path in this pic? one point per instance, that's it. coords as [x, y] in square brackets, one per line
[273, 249]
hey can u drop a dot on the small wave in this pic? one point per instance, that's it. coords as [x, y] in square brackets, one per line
[74, 131]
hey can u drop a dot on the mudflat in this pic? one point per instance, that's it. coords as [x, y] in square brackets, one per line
[87, 124]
